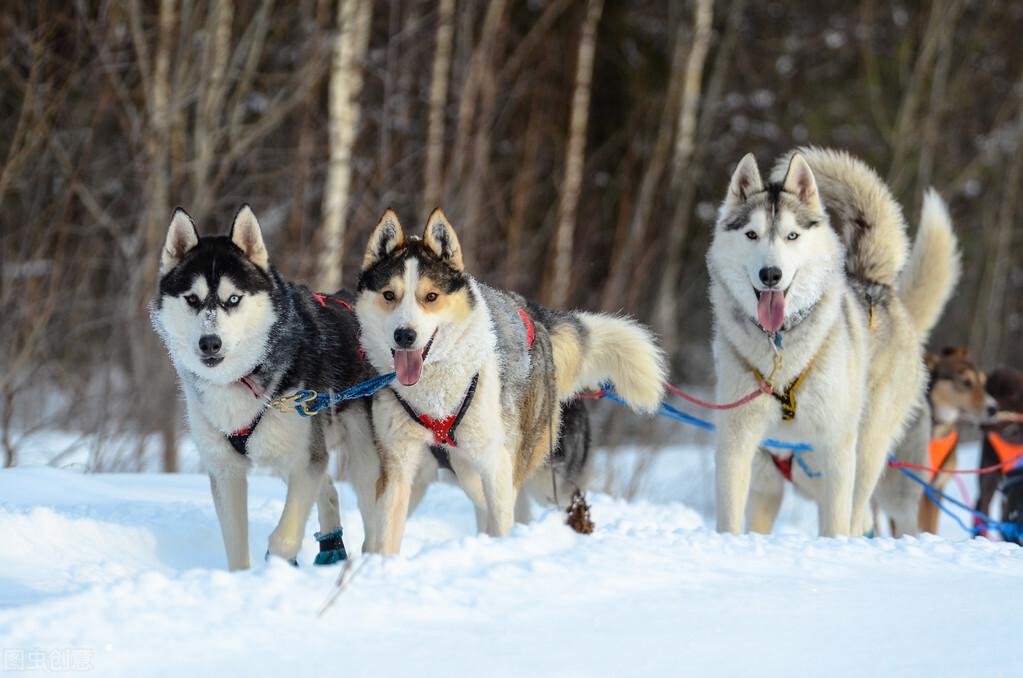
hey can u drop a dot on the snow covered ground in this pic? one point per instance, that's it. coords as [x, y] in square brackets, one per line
[122, 575]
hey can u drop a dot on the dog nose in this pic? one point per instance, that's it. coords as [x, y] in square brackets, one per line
[770, 276]
[404, 337]
[210, 344]
[992, 410]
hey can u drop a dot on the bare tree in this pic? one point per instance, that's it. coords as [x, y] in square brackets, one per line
[438, 100]
[571, 185]
[666, 311]
[635, 235]
[343, 121]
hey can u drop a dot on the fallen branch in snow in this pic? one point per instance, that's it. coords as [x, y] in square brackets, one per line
[346, 575]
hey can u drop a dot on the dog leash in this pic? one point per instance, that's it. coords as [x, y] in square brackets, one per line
[307, 402]
[764, 386]
[1009, 531]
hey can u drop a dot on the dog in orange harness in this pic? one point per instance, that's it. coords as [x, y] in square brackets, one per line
[1003, 440]
[955, 395]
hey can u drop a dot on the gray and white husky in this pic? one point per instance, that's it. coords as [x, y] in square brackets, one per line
[240, 335]
[806, 292]
[481, 377]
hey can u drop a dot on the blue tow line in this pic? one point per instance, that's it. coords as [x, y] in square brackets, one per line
[1009, 531]
[666, 410]
[308, 403]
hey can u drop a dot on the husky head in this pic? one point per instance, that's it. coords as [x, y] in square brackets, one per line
[214, 309]
[413, 296]
[773, 249]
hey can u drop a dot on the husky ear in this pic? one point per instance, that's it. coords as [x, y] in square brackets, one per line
[440, 237]
[246, 235]
[745, 180]
[387, 237]
[800, 182]
[181, 237]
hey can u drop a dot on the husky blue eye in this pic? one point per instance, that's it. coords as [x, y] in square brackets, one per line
[389, 295]
[793, 235]
[233, 300]
[431, 297]
[752, 235]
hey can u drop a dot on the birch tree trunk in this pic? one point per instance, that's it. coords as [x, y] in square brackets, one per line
[482, 248]
[575, 157]
[212, 98]
[666, 311]
[345, 85]
[438, 100]
[990, 317]
[158, 386]
[906, 133]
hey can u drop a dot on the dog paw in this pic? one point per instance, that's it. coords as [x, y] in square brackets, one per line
[291, 561]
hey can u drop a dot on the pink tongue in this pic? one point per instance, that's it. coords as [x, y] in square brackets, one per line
[409, 366]
[250, 384]
[771, 310]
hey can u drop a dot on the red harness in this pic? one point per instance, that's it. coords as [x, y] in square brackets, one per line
[530, 331]
[784, 466]
[443, 430]
[322, 298]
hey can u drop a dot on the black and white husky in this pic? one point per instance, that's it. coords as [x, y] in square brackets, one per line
[239, 336]
[480, 377]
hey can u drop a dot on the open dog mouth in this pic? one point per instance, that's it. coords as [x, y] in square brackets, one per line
[212, 362]
[770, 309]
[408, 365]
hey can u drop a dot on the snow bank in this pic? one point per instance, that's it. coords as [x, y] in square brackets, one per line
[121, 574]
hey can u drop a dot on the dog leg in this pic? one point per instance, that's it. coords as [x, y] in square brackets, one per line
[327, 507]
[875, 443]
[523, 509]
[230, 498]
[304, 487]
[392, 505]
[767, 488]
[499, 493]
[469, 480]
[739, 435]
[363, 472]
[834, 510]
[930, 514]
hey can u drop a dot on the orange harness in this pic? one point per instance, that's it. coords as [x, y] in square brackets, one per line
[939, 450]
[1008, 453]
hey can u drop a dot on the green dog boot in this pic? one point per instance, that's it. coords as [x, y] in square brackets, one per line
[332, 548]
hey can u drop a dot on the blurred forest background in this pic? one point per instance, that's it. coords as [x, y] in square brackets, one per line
[580, 147]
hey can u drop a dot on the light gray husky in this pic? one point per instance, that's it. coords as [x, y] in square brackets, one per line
[481, 375]
[806, 295]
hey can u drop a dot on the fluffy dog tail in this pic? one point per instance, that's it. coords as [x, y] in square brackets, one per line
[597, 348]
[862, 210]
[934, 267]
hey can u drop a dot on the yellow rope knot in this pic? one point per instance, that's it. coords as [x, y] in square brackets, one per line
[787, 398]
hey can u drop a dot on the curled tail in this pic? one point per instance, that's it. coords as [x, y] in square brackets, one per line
[934, 267]
[597, 348]
[863, 211]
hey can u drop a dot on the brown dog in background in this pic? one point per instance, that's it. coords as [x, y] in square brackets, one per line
[956, 392]
[1005, 385]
